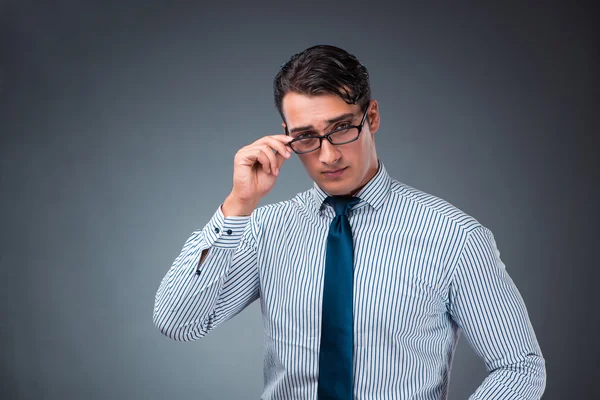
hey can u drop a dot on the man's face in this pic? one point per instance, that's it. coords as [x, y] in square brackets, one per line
[356, 160]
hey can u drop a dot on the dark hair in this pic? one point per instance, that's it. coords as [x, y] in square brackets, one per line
[323, 69]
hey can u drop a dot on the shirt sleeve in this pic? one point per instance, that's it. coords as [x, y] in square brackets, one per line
[193, 299]
[487, 306]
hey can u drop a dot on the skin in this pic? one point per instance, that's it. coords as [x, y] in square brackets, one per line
[358, 157]
[256, 166]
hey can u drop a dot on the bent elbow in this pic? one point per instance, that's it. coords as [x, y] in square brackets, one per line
[533, 372]
[541, 373]
[181, 332]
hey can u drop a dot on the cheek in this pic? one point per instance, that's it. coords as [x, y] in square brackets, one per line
[359, 151]
[367, 144]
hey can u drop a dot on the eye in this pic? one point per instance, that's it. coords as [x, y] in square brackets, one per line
[342, 125]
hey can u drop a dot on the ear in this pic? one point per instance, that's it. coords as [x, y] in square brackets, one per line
[283, 126]
[373, 116]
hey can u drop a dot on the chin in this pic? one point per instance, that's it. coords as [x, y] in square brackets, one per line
[336, 188]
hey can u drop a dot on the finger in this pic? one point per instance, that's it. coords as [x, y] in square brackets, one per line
[278, 142]
[263, 159]
[280, 160]
[265, 156]
[272, 158]
[251, 155]
[279, 147]
[282, 138]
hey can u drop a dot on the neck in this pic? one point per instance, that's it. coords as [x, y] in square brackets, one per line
[370, 174]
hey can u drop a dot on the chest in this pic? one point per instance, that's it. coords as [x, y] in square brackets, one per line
[397, 280]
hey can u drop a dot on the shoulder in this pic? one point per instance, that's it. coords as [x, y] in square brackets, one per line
[271, 219]
[428, 206]
[282, 209]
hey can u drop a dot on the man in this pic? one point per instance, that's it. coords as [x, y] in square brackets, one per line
[365, 283]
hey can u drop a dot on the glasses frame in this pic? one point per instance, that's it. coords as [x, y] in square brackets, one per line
[328, 135]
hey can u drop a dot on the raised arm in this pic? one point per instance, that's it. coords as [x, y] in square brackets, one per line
[195, 297]
[487, 306]
[215, 275]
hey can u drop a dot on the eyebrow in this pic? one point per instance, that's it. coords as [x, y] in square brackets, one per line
[329, 122]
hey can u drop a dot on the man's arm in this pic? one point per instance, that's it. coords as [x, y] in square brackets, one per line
[196, 295]
[215, 275]
[487, 306]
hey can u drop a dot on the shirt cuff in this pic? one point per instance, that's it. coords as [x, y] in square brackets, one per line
[225, 232]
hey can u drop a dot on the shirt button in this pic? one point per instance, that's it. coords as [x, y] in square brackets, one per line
[229, 231]
[216, 230]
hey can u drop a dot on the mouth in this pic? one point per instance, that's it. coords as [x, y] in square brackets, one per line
[334, 173]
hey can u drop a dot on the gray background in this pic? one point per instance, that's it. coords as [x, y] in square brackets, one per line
[120, 119]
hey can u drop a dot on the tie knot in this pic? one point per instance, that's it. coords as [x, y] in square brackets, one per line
[342, 204]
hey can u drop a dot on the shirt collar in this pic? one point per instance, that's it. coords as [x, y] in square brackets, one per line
[374, 193]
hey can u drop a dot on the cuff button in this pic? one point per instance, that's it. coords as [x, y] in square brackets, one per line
[216, 230]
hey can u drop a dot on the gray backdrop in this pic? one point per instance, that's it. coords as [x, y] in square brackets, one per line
[119, 124]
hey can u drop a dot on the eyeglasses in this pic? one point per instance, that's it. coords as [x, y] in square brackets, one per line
[345, 134]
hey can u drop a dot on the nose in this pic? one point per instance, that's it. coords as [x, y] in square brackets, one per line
[328, 153]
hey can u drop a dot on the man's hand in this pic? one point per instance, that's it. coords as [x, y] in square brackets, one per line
[255, 171]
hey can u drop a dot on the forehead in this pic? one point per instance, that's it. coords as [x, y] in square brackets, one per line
[301, 109]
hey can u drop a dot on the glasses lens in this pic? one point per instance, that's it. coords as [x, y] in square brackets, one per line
[304, 145]
[344, 135]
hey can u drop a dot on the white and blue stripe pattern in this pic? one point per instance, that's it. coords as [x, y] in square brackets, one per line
[424, 272]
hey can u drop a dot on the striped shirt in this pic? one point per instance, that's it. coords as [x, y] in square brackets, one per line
[424, 271]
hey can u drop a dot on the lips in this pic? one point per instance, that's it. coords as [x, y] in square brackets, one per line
[334, 173]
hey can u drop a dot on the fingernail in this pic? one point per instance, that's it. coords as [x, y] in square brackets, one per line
[276, 171]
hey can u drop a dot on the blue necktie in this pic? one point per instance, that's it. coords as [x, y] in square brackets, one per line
[337, 341]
